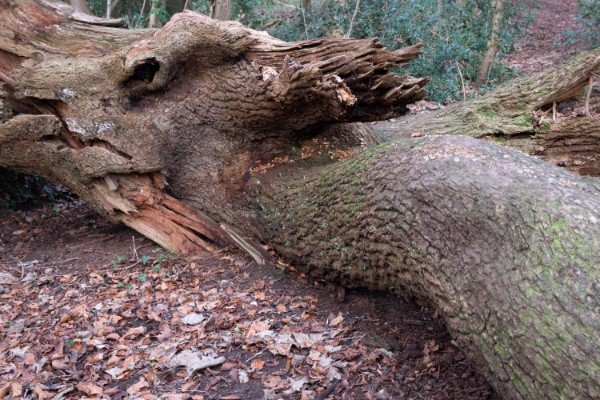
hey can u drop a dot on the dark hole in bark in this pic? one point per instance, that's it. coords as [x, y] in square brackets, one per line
[145, 72]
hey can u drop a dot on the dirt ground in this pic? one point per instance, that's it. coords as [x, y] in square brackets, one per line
[91, 309]
[545, 42]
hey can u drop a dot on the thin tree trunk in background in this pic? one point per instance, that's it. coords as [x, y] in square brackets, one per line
[80, 5]
[153, 20]
[492, 47]
[221, 9]
[356, 7]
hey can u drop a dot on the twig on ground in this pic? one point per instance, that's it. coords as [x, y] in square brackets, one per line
[68, 260]
[256, 355]
[358, 340]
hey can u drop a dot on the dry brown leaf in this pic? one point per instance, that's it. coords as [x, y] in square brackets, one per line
[39, 391]
[243, 376]
[192, 361]
[136, 387]
[337, 320]
[281, 308]
[59, 364]
[272, 381]
[257, 363]
[29, 359]
[4, 390]
[134, 332]
[16, 390]
[89, 388]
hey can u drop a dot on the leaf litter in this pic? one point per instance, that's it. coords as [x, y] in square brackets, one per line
[221, 328]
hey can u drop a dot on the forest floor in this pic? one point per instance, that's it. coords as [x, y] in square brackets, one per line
[547, 41]
[92, 309]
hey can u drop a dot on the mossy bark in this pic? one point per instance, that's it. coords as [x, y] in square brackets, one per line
[543, 115]
[505, 246]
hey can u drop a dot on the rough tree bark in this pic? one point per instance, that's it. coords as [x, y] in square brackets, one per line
[248, 132]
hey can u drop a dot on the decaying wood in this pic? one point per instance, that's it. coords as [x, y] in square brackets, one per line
[88, 87]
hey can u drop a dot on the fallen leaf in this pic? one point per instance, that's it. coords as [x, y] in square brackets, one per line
[114, 372]
[136, 387]
[272, 381]
[16, 390]
[29, 359]
[193, 362]
[89, 388]
[296, 384]
[134, 332]
[6, 278]
[39, 391]
[243, 376]
[337, 320]
[193, 319]
[4, 390]
[59, 364]
[19, 351]
[281, 308]
[257, 363]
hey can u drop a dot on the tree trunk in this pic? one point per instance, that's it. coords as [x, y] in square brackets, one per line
[153, 21]
[492, 46]
[221, 9]
[503, 245]
[521, 115]
[205, 133]
[307, 6]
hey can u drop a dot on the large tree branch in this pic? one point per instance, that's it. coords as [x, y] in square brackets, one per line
[544, 115]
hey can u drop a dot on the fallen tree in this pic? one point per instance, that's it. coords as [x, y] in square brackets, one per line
[205, 133]
[548, 115]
